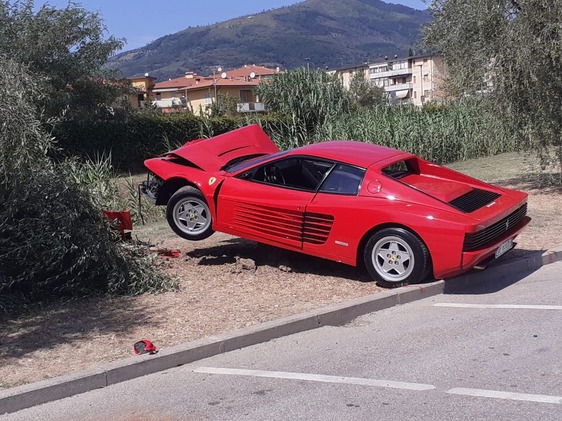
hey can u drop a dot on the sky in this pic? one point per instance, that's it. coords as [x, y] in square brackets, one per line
[143, 21]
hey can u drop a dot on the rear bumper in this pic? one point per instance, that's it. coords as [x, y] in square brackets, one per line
[470, 259]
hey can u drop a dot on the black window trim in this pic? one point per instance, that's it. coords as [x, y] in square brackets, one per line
[318, 190]
[334, 164]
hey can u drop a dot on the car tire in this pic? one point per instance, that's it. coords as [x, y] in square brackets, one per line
[395, 257]
[189, 215]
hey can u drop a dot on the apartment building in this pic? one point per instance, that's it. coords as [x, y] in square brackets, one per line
[346, 74]
[410, 80]
[413, 80]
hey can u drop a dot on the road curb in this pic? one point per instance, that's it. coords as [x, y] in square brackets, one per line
[21, 397]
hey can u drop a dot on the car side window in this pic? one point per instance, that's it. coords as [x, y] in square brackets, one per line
[298, 173]
[344, 179]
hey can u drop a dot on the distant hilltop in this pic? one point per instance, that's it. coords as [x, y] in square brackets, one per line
[317, 33]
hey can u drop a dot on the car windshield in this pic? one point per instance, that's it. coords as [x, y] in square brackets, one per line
[248, 161]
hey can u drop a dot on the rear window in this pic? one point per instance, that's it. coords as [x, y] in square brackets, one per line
[401, 168]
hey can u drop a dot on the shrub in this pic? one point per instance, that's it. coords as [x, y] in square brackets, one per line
[53, 239]
[140, 136]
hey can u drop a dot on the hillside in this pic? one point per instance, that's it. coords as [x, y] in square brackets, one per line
[331, 33]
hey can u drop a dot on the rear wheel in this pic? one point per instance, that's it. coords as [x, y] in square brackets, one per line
[188, 214]
[395, 257]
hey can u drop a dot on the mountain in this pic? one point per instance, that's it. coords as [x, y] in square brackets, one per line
[322, 33]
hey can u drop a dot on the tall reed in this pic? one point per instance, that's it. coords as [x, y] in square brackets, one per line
[440, 134]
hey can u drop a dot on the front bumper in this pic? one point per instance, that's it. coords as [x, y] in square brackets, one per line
[151, 187]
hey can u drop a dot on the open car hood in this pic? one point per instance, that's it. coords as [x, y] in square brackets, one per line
[214, 153]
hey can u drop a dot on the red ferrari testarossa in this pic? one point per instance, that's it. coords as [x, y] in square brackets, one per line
[357, 203]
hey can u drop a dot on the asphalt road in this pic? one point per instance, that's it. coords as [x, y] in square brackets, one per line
[491, 353]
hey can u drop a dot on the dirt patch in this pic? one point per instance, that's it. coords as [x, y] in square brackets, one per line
[226, 283]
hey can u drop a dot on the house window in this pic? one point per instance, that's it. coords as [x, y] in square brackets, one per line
[246, 95]
[158, 96]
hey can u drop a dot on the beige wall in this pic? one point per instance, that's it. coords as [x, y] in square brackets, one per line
[201, 99]
[346, 75]
[144, 87]
[427, 78]
[414, 80]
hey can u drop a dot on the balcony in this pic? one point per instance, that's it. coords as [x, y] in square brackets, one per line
[250, 107]
[169, 103]
[390, 73]
[398, 87]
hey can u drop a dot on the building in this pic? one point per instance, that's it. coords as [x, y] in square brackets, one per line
[143, 86]
[346, 74]
[197, 93]
[413, 80]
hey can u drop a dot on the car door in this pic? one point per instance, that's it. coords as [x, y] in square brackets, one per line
[267, 203]
[337, 199]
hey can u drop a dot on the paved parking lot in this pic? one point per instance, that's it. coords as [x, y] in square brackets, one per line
[493, 352]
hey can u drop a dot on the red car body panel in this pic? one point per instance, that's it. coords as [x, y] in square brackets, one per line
[212, 155]
[336, 226]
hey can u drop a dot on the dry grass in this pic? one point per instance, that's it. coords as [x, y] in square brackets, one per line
[227, 283]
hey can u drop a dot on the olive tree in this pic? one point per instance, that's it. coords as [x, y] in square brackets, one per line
[53, 239]
[364, 94]
[66, 49]
[509, 52]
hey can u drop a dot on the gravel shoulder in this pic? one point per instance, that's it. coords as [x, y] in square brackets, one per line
[226, 283]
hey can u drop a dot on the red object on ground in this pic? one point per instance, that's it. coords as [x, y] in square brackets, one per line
[144, 347]
[169, 253]
[123, 218]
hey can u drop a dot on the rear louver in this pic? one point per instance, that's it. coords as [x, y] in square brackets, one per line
[481, 238]
[474, 200]
[316, 228]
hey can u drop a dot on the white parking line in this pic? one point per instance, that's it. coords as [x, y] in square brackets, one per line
[503, 306]
[315, 378]
[480, 393]
[505, 395]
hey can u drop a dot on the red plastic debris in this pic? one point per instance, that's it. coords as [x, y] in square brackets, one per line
[170, 253]
[166, 252]
[144, 347]
[124, 221]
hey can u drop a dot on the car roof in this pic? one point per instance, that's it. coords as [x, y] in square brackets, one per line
[349, 151]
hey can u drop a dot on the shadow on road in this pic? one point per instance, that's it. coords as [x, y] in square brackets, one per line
[498, 275]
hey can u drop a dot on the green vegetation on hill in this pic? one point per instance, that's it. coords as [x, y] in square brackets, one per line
[331, 33]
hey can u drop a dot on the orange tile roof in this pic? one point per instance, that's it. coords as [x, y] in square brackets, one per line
[236, 77]
[180, 82]
[247, 70]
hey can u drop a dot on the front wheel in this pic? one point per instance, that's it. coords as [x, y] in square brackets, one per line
[395, 257]
[188, 214]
